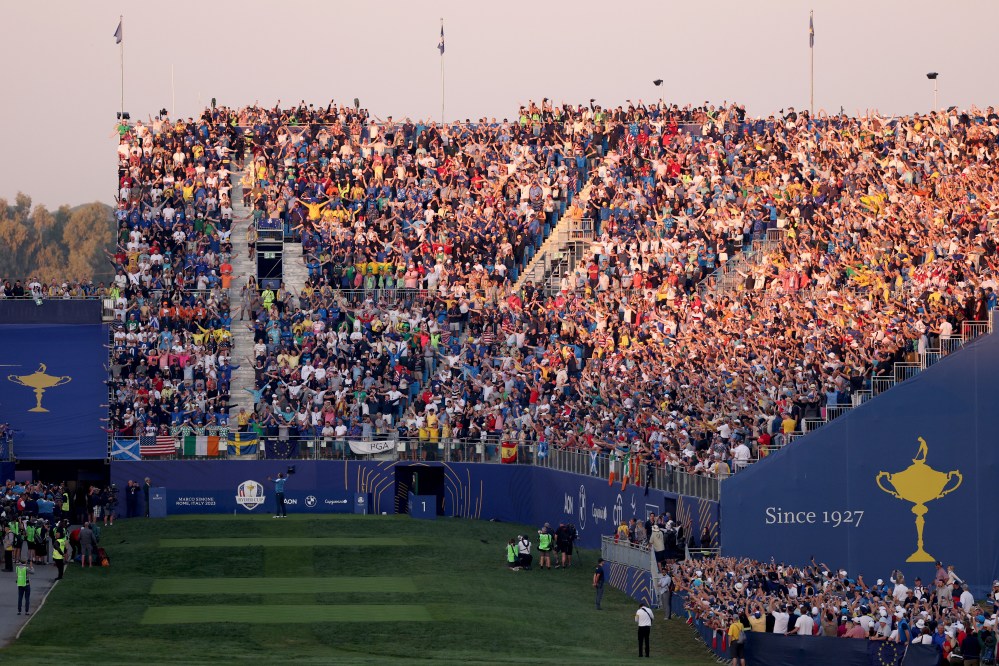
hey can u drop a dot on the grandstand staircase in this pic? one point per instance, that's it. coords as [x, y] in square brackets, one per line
[558, 255]
[242, 337]
[295, 272]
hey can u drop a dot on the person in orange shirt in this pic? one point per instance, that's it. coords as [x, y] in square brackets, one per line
[225, 273]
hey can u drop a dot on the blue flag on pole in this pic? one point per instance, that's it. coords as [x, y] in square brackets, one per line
[440, 45]
[118, 33]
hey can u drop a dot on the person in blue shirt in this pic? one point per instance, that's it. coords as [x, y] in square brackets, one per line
[279, 494]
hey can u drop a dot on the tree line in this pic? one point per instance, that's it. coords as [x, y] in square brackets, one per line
[62, 245]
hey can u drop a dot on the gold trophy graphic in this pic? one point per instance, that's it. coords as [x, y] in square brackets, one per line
[39, 381]
[919, 483]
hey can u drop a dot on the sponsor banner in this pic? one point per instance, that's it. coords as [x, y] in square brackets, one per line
[510, 493]
[365, 447]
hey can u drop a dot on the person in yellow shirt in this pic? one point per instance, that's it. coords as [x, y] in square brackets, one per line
[737, 639]
[315, 209]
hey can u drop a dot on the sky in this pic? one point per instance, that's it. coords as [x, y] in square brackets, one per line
[62, 77]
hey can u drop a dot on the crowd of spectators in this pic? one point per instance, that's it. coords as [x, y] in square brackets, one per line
[171, 338]
[395, 209]
[881, 247]
[731, 595]
[627, 349]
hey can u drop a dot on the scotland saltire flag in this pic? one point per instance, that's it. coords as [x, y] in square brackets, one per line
[440, 45]
[125, 449]
[118, 33]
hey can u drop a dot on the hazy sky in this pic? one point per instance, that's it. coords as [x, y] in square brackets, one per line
[61, 75]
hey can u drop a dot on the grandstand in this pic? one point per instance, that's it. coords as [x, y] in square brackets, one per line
[651, 295]
[562, 255]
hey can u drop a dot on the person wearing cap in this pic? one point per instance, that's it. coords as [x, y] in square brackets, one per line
[853, 630]
[598, 581]
[781, 617]
[737, 636]
[643, 618]
[664, 588]
[545, 543]
[23, 571]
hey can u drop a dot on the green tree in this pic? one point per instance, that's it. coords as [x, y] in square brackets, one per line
[66, 245]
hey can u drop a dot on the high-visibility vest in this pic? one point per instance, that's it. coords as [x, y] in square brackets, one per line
[511, 553]
[22, 575]
[65, 501]
[544, 541]
[59, 551]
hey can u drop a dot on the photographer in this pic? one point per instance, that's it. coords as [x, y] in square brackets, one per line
[545, 543]
[524, 552]
[111, 505]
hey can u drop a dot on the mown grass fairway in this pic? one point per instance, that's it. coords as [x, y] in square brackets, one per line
[336, 589]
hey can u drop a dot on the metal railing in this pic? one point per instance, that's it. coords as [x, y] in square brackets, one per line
[636, 555]
[486, 449]
[667, 478]
[900, 372]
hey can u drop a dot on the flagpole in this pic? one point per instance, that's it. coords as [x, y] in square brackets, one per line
[442, 74]
[121, 45]
[173, 95]
[811, 51]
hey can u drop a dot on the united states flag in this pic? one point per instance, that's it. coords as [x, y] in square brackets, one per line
[157, 445]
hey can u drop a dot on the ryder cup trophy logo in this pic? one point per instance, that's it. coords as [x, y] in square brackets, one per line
[919, 483]
[250, 495]
[39, 381]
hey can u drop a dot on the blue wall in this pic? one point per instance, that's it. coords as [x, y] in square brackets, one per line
[510, 493]
[70, 428]
[788, 506]
[54, 311]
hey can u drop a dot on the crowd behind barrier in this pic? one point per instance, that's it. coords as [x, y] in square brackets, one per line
[731, 596]
[876, 246]
[731, 600]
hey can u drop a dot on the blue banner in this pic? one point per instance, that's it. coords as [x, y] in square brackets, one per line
[904, 480]
[51, 390]
[509, 493]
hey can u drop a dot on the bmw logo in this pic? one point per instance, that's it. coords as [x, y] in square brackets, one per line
[310, 501]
